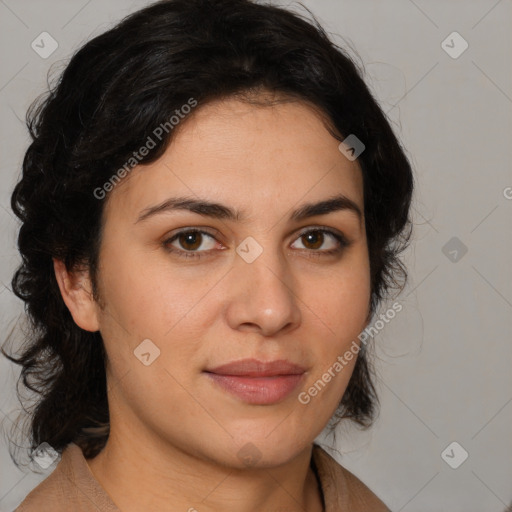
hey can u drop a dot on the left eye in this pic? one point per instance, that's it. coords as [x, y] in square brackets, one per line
[318, 239]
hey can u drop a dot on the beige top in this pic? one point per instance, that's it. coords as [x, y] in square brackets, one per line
[72, 486]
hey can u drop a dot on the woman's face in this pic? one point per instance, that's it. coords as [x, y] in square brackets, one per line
[261, 279]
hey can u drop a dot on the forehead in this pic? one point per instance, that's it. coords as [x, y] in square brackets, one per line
[253, 156]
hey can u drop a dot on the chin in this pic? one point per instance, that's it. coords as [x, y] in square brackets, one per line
[266, 451]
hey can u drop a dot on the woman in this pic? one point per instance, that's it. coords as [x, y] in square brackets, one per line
[212, 209]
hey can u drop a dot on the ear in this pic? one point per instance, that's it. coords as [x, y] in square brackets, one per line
[76, 290]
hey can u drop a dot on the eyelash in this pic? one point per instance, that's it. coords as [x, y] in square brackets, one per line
[341, 239]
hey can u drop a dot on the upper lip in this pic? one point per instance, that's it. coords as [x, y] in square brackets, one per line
[256, 368]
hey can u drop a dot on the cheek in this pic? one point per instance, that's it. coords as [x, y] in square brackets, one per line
[346, 304]
[340, 302]
[148, 299]
[341, 299]
[146, 296]
[341, 308]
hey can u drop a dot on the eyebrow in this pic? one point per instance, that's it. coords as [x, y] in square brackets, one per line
[220, 211]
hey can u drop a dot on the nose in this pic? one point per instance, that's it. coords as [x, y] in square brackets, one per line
[262, 296]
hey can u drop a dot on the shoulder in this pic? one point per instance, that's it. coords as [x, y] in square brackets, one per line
[71, 486]
[48, 494]
[341, 489]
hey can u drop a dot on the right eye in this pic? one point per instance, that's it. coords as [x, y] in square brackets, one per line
[189, 243]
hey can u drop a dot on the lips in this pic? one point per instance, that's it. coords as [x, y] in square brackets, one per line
[257, 382]
[255, 368]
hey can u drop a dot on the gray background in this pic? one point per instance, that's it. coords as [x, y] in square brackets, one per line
[444, 362]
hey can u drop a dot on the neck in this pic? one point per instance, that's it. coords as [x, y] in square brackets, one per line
[151, 475]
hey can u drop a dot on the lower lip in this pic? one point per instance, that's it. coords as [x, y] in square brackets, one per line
[258, 390]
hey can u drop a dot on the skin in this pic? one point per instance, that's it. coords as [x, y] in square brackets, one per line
[175, 435]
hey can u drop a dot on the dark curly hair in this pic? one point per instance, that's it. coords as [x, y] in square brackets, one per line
[113, 93]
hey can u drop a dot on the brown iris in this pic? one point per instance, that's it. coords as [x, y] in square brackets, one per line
[190, 240]
[313, 239]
